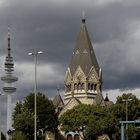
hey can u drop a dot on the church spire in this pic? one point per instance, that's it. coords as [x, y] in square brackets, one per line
[83, 54]
[83, 77]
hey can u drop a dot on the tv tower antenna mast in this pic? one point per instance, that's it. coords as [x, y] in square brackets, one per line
[9, 88]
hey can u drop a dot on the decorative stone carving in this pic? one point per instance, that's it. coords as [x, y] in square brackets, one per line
[93, 76]
[79, 75]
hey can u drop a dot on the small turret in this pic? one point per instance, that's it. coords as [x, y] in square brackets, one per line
[106, 98]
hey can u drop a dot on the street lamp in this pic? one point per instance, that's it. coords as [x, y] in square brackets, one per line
[126, 113]
[35, 54]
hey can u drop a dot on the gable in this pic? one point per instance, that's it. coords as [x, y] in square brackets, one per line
[72, 103]
[93, 76]
[79, 75]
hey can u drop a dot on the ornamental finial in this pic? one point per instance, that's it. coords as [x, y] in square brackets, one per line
[83, 17]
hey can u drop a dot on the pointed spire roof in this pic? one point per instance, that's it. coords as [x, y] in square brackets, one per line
[83, 54]
[106, 98]
[57, 101]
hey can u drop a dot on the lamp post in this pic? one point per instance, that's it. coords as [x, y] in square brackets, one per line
[35, 54]
[126, 113]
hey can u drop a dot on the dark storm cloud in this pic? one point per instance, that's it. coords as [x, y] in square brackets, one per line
[40, 26]
[53, 26]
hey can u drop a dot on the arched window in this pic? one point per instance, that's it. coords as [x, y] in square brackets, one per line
[82, 86]
[79, 86]
[69, 137]
[75, 86]
[88, 86]
[76, 137]
[92, 86]
[95, 87]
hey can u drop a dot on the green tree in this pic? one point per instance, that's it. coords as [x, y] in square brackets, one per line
[133, 107]
[133, 132]
[23, 116]
[96, 119]
[18, 135]
[102, 120]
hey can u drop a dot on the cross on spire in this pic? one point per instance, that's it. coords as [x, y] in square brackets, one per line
[83, 17]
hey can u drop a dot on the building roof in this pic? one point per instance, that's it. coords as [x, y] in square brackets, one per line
[57, 101]
[83, 54]
[99, 99]
[108, 103]
[106, 98]
[72, 102]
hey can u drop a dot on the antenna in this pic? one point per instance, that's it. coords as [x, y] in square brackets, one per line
[9, 49]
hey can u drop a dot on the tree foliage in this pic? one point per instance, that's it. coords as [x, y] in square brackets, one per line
[96, 119]
[133, 107]
[23, 116]
[100, 120]
[133, 113]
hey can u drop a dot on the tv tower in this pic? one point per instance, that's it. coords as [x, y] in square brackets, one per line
[9, 88]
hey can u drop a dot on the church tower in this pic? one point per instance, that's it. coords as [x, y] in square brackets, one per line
[83, 79]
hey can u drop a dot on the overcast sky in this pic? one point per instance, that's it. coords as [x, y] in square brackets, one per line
[53, 26]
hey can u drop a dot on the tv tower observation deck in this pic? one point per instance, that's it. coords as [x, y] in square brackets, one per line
[9, 79]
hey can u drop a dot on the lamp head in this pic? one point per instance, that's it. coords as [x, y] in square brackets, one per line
[30, 53]
[39, 52]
